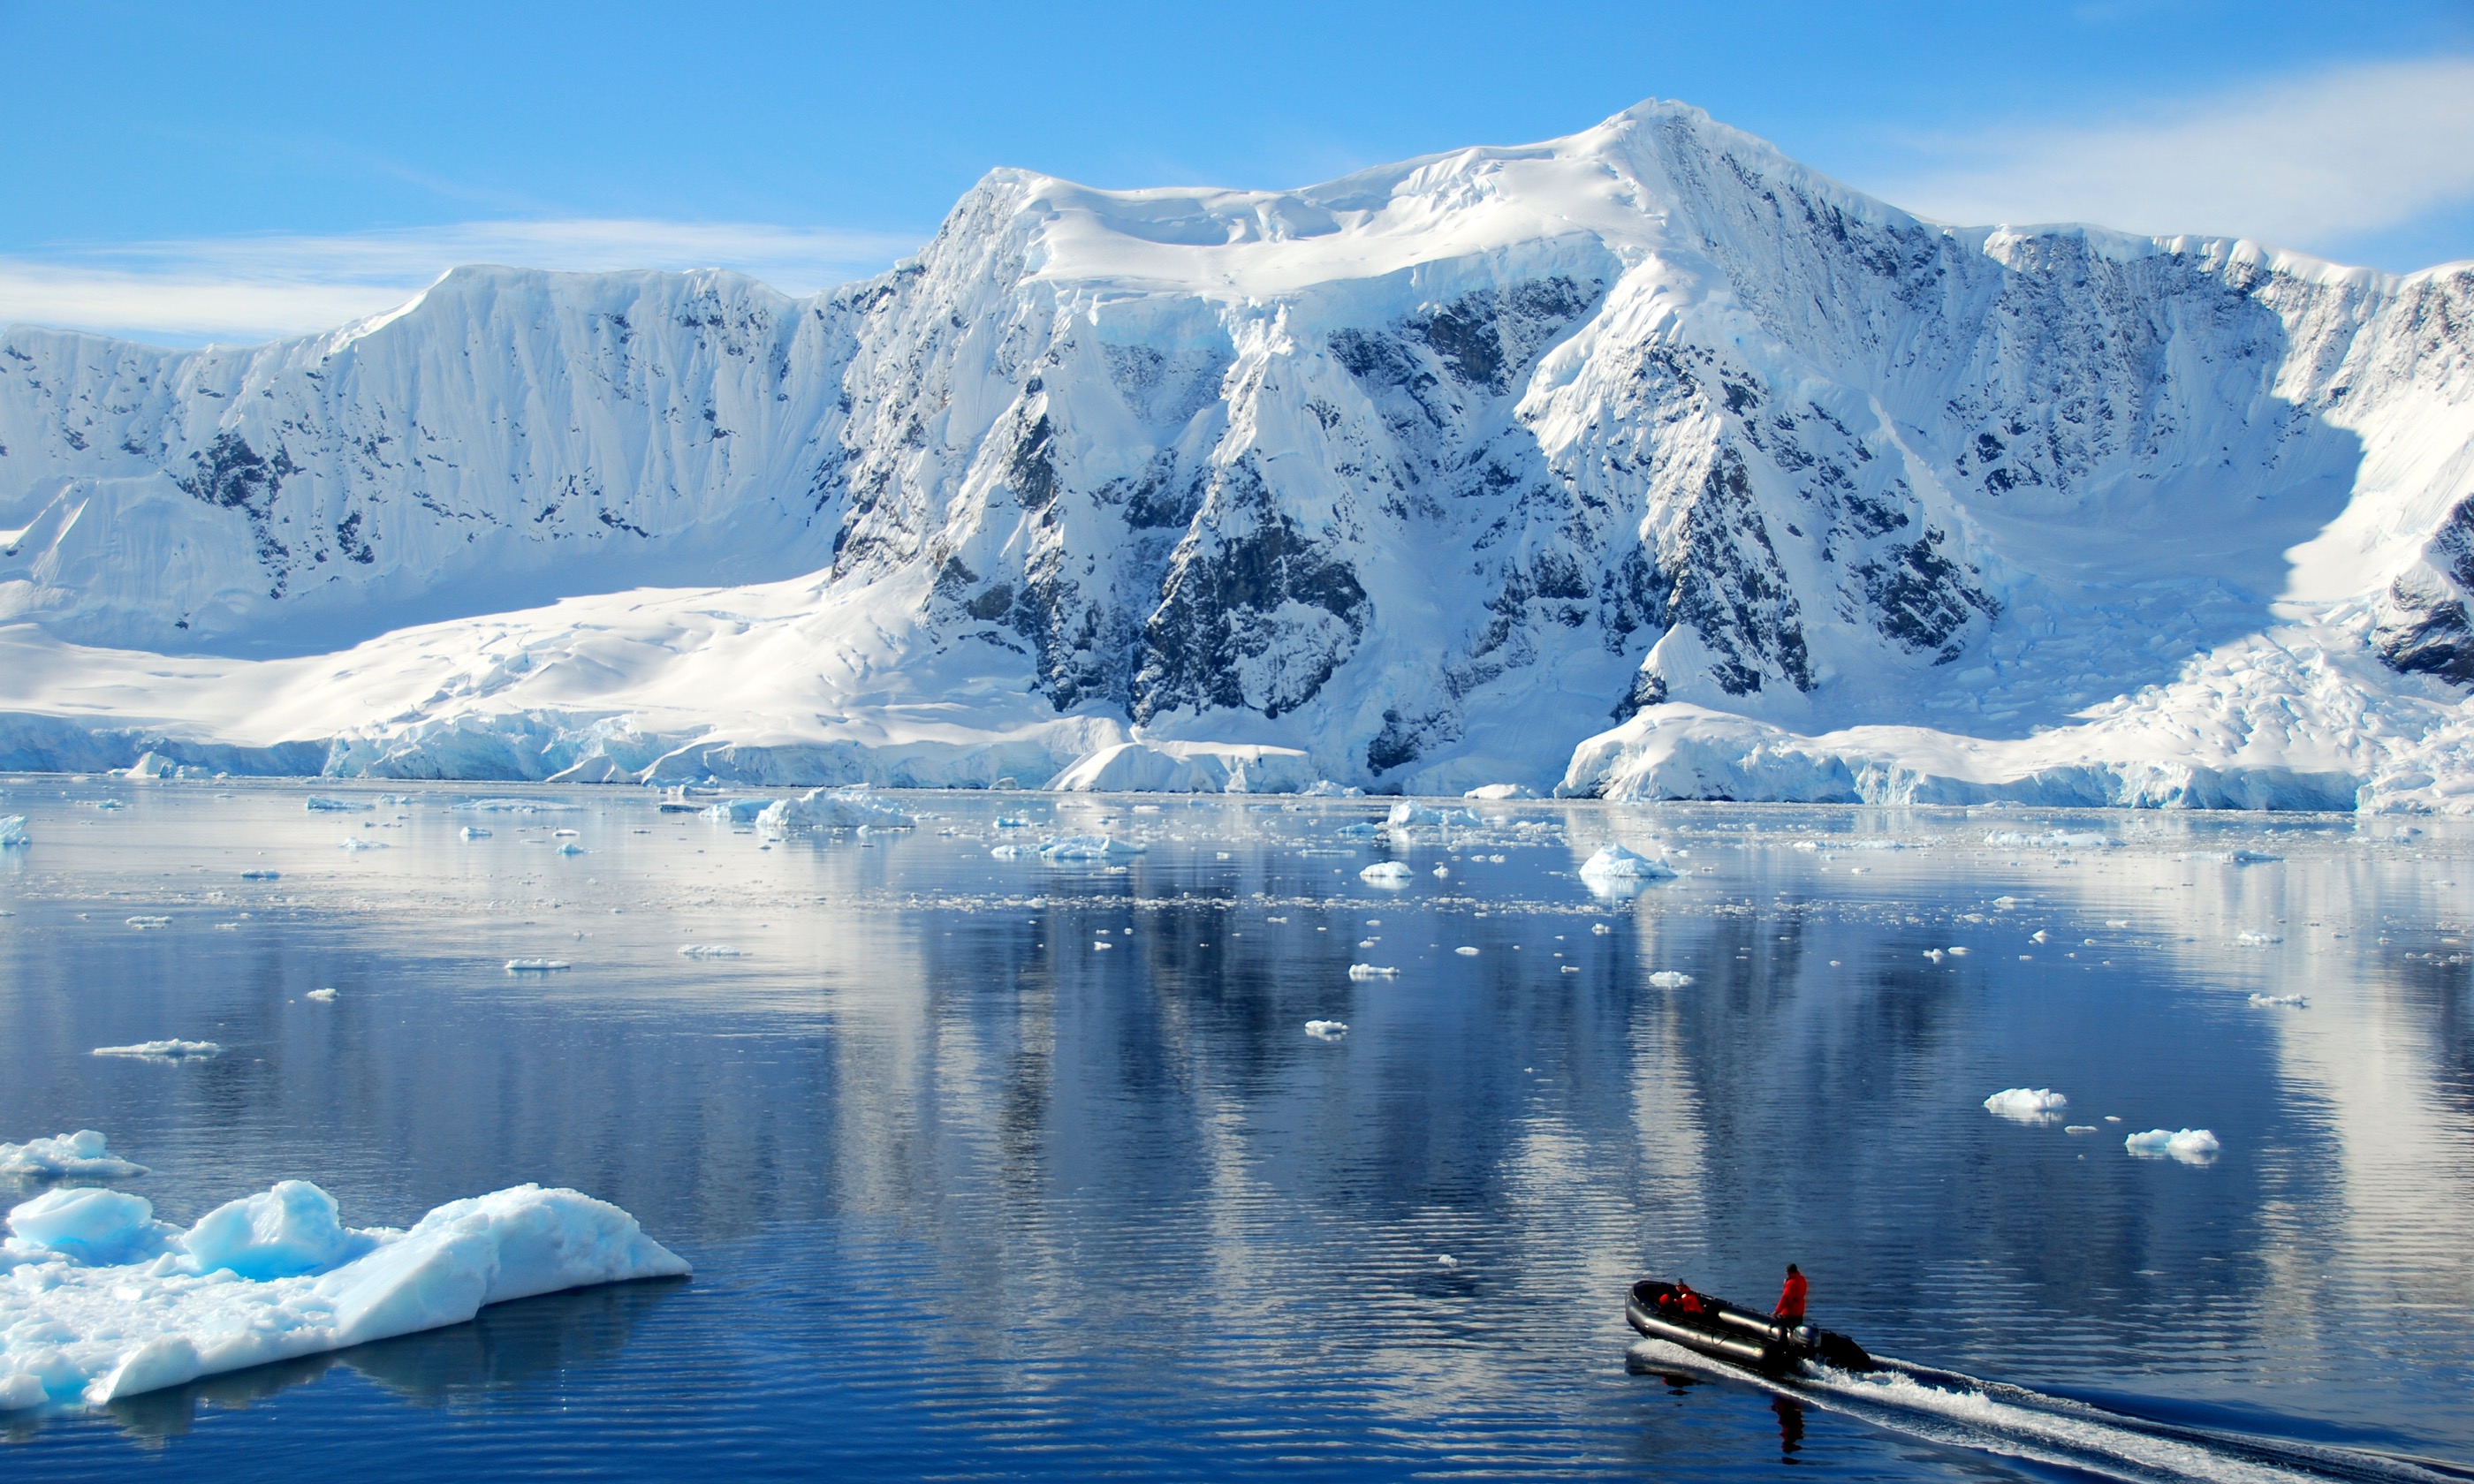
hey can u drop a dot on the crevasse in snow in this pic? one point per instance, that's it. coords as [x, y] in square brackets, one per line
[1642, 462]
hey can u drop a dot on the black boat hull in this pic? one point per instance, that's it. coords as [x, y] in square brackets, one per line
[1723, 1331]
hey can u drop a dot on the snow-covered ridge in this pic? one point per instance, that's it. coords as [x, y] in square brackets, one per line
[1421, 479]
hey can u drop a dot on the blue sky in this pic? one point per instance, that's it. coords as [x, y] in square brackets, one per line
[184, 172]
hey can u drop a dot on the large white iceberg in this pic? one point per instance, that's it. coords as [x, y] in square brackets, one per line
[84, 1154]
[1386, 873]
[100, 1300]
[825, 808]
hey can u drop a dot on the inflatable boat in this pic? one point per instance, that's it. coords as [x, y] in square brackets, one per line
[1739, 1337]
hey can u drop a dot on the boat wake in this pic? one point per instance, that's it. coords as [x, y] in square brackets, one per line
[2057, 1433]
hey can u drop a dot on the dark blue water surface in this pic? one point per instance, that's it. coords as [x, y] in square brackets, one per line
[969, 1195]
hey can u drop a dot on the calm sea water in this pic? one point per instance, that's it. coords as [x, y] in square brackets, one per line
[970, 1194]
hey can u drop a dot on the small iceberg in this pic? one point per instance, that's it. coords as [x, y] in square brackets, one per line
[1371, 972]
[1090, 847]
[149, 925]
[537, 965]
[13, 831]
[2248, 857]
[261, 875]
[1500, 791]
[1327, 1030]
[108, 1302]
[84, 1154]
[318, 806]
[709, 950]
[1387, 872]
[570, 847]
[1670, 979]
[325, 996]
[514, 807]
[2277, 1001]
[1363, 829]
[163, 1050]
[476, 832]
[823, 808]
[1615, 863]
[738, 811]
[2027, 1105]
[356, 843]
[2190, 1146]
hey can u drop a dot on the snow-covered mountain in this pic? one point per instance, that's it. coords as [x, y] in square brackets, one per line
[1645, 462]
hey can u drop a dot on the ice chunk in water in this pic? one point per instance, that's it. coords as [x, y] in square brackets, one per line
[1670, 979]
[83, 1154]
[821, 808]
[1371, 972]
[536, 965]
[708, 950]
[288, 1229]
[2275, 1001]
[1327, 1030]
[1501, 791]
[13, 831]
[738, 811]
[1089, 848]
[2190, 1146]
[72, 1330]
[570, 847]
[318, 806]
[1386, 873]
[476, 832]
[88, 1226]
[356, 843]
[2027, 1105]
[165, 1050]
[1615, 863]
[323, 997]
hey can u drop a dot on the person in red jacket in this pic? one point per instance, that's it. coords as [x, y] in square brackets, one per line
[1789, 1312]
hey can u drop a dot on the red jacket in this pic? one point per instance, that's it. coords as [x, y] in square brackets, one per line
[1790, 1304]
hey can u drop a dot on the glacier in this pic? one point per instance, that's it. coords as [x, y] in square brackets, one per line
[1639, 464]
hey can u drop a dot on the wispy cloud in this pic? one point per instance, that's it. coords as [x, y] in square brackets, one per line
[253, 288]
[2314, 163]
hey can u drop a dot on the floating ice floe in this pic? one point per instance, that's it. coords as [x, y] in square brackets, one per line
[514, 807]
[149, 925]
[107, 1303]
[1326, 788]
[2248, 857]
[325, 996]
[2056, 839]
[1005, 851]
[1363, 829]
[2190, 1146]
[570, 847]
[829, 808]
[709, 950]
[84, 1154]
[2027, 1105]
[1387, 872]
[2257, 939]
[1409, 814]
[1615, 863]
[13, 831]
[163, 1050]
[739, 811]
[1466, 952]
[1090, 847]
[1498, 791]
[2080, 1128]
[537, 965]
[261, 875]
[1371, 972]
[1327, 1030]
[317, 805]
[356, 843]
[1670, 979]
[476, 832]
[2277, 1001]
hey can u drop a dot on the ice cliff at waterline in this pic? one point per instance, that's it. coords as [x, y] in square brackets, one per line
[1643, 463]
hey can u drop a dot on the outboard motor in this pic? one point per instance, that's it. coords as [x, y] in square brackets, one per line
[1837, 1350]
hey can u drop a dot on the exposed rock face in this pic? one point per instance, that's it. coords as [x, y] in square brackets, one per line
[1432, 471]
